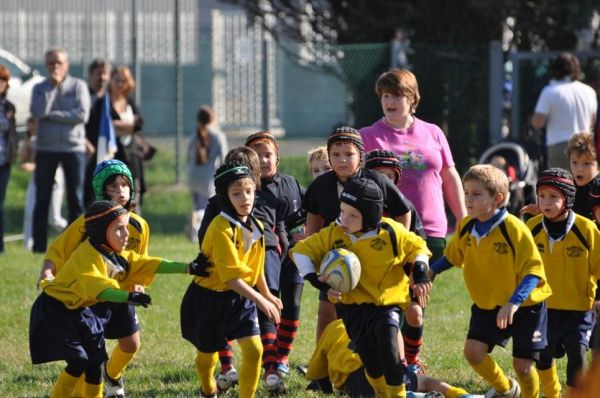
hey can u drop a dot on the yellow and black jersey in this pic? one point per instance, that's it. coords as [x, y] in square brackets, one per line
[382, 253]
[332, 358]
[88, 272]
[61, 249]
[572, 263]
[235, 250]
[494, 264]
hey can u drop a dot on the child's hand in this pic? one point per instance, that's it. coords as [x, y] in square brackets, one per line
[269, 309]
[275, 301]
[44, 275]
[334, 296]
[505, 315]
[139, 288]
[531, 209]
[199, 266]
[138, 298]
[421, 292]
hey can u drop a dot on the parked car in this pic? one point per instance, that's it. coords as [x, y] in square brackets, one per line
[21, 83]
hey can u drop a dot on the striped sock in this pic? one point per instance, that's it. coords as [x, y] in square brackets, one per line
[226, 357]
[286, 333]
[412, 337]
[269, 357]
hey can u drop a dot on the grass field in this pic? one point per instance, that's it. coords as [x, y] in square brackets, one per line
[165, 365]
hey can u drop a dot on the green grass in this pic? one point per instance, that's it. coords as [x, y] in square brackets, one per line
[165, 365]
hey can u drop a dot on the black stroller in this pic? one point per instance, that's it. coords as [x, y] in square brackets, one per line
[520, 168]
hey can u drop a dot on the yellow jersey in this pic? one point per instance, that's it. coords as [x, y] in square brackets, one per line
[87, 273]
[235, 252]
[572, 263]
[382, 278]
[61, 249]
[494, 265]
[332, 358]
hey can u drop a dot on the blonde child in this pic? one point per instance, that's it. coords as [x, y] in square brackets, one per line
[224, 297]
[505, 278]
[318, 161]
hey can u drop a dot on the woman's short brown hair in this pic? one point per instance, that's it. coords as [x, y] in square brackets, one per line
[399, 82]
[4, 75]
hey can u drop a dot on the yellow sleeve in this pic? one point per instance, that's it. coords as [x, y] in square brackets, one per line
[316, 246]
[454, 251]
[412, 246]
[594, 241]
[65, 244]
[318, 367]
[142, 270]
[90, 273]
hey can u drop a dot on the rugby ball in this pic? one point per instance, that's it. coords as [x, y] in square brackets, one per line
[341, 268]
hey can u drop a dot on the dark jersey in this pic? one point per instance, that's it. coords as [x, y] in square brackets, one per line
[323, 195]
[582, 204]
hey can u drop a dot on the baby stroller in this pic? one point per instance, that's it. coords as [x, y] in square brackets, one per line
[519, 167]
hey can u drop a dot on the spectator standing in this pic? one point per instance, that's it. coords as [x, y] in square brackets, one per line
[565, 106]
[207, 148]
[8, 143]
[27, 164]
[98, 78]
[61, 104]
[127, 123]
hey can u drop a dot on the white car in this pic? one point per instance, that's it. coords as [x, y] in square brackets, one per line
[22, 80]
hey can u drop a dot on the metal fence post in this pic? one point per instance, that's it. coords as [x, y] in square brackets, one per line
[178, 96]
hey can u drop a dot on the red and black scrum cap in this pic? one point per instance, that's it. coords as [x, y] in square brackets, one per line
[559, 179]
[383, 158]
[346, 134]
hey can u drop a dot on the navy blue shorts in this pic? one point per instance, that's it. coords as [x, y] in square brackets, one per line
[357, 385]
[568, 327]
[58, 333]
[209, 318]
[118, 319]
[595, 339]
[289, 273]
[272, 269]
[363, 320]
[528, 331]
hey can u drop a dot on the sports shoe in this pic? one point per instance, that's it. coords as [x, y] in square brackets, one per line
[431, 394]
[227, 379]
[514, 392]
[283, 369]
[434, 394]
[274, 383]
[213, 395]
[417, 367]
[112, 388]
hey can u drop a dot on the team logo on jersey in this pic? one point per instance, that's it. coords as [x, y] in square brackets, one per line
[338, 243]
[133, 243]
[378, 244]
[501, 247]
[540, 247]
[537, 337]
[574, 251]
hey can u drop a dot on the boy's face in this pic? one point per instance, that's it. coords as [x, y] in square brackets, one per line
[395, 107]
[318, 167]
[241, 195]
[351, 219]
[344, 159]
[388, 172]
[267, 158]
[583, 167]
[117, 233]
[119, 190]
[551, 203]
[479, 202]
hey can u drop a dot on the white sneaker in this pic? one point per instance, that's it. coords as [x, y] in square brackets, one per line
[274, 383]
[227, 380]
[113, 388]
[514, 392]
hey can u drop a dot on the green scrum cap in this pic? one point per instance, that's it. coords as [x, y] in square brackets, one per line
[104, 171]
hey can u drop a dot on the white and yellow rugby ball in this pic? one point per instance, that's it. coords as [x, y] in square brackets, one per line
[341, 268]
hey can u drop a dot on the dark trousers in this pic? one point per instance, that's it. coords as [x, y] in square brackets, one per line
[46, 163]
[4, 176]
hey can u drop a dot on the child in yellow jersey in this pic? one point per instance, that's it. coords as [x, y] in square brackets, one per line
[221, 305]
[372, 312]
[505, 278]
[62, 324]
[334, 366]
[112, 180]
[568, 243]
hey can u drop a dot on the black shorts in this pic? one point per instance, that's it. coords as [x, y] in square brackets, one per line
[362, 322]
[118, 319]
[568, 327]
[528, 330]
[272, 269]
[289, 273]
[209, 318]
[58, 333]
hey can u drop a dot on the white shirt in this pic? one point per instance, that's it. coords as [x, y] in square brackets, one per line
[568, 106]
